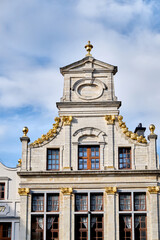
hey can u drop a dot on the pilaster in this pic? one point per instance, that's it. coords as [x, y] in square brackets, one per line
[25, 140]
[66, 220]
[154, 231]
[111, 213]
[152, 148]
[23, 192]
[67, 147]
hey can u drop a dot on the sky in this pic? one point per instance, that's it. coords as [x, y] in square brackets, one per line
[37, 37]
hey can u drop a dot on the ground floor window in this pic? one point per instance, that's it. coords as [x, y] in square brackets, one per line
[89, 216]
[45, 219]
[132, 216]
[5, 231]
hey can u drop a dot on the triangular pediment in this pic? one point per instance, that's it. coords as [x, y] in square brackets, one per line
[88, 63]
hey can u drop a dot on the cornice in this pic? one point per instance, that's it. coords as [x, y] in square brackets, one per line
[90, 104]
[89, 173]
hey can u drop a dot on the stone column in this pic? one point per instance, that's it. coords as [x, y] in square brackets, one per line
[152, 148]
[111, 213]
[23, 192]
[110, 133]
[25, 140]
[67, 147]
[154, 231]
[67, 225]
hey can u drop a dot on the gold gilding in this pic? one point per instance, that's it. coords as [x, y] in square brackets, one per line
[66, 120]
[88, 48]
[110, 119]
[152, 128]
[111, 190]
[19, 162]
[51, 133]
[67, 191]
[130, 134]
[154, 189]
[23, 191]
[25, 131]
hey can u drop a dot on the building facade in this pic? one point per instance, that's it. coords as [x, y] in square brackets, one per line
[89, 177]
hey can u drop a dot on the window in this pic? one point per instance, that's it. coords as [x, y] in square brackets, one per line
[5, 231]
[88, 157]
[133, 216]
[53, 159]
[2, 191]
[37, 202]
[125, 202]
[124, 158]
[89, 216]
[48, 205]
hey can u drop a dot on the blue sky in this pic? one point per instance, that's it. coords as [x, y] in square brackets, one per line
[37, 37]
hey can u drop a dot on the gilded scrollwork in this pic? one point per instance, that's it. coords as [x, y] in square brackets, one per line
[111, 190]
[51, 133]
[110, 119]
[154, 189]
[67, 191]
[23, 191]
[66, 120]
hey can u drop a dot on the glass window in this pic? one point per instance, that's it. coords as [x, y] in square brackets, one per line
[53, 202]
[81, 202]
[88, 157]
[52, 227]
[125, 227]
[2, 191]
[37, 226]
[53, 159]
[97, 227]
[38, 202]
[140, 227]
[139, 201]
[96, 202]
[5, 231]
[124, 158]
[125, 203]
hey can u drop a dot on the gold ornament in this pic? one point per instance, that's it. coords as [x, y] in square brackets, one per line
[88, 48]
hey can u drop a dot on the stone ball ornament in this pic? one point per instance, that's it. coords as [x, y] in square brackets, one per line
[152, 128]
[25, 131]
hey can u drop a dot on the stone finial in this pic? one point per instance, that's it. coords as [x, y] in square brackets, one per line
[88, 48]
[19, 162]
[25, 131]
[152, 128]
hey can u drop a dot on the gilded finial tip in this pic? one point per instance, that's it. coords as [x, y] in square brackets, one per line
[88, 48]
[152, 128]
[25, 131]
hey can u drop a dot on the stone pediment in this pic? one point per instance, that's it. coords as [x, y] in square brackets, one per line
[88, 64]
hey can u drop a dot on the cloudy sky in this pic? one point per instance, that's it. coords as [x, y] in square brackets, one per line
[37, 37]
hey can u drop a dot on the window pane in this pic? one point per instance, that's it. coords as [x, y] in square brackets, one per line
[37, 228]
[81, 227]
[124, 157]
[37, 202]
[139, 201]
[2, 190]
[125, 227]
[52, 202]
[140, 227]
[97, 227]
[81, 202]
[125, 201]
[53, 159]
[52, 230]
[97, 202]
[88, 157]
